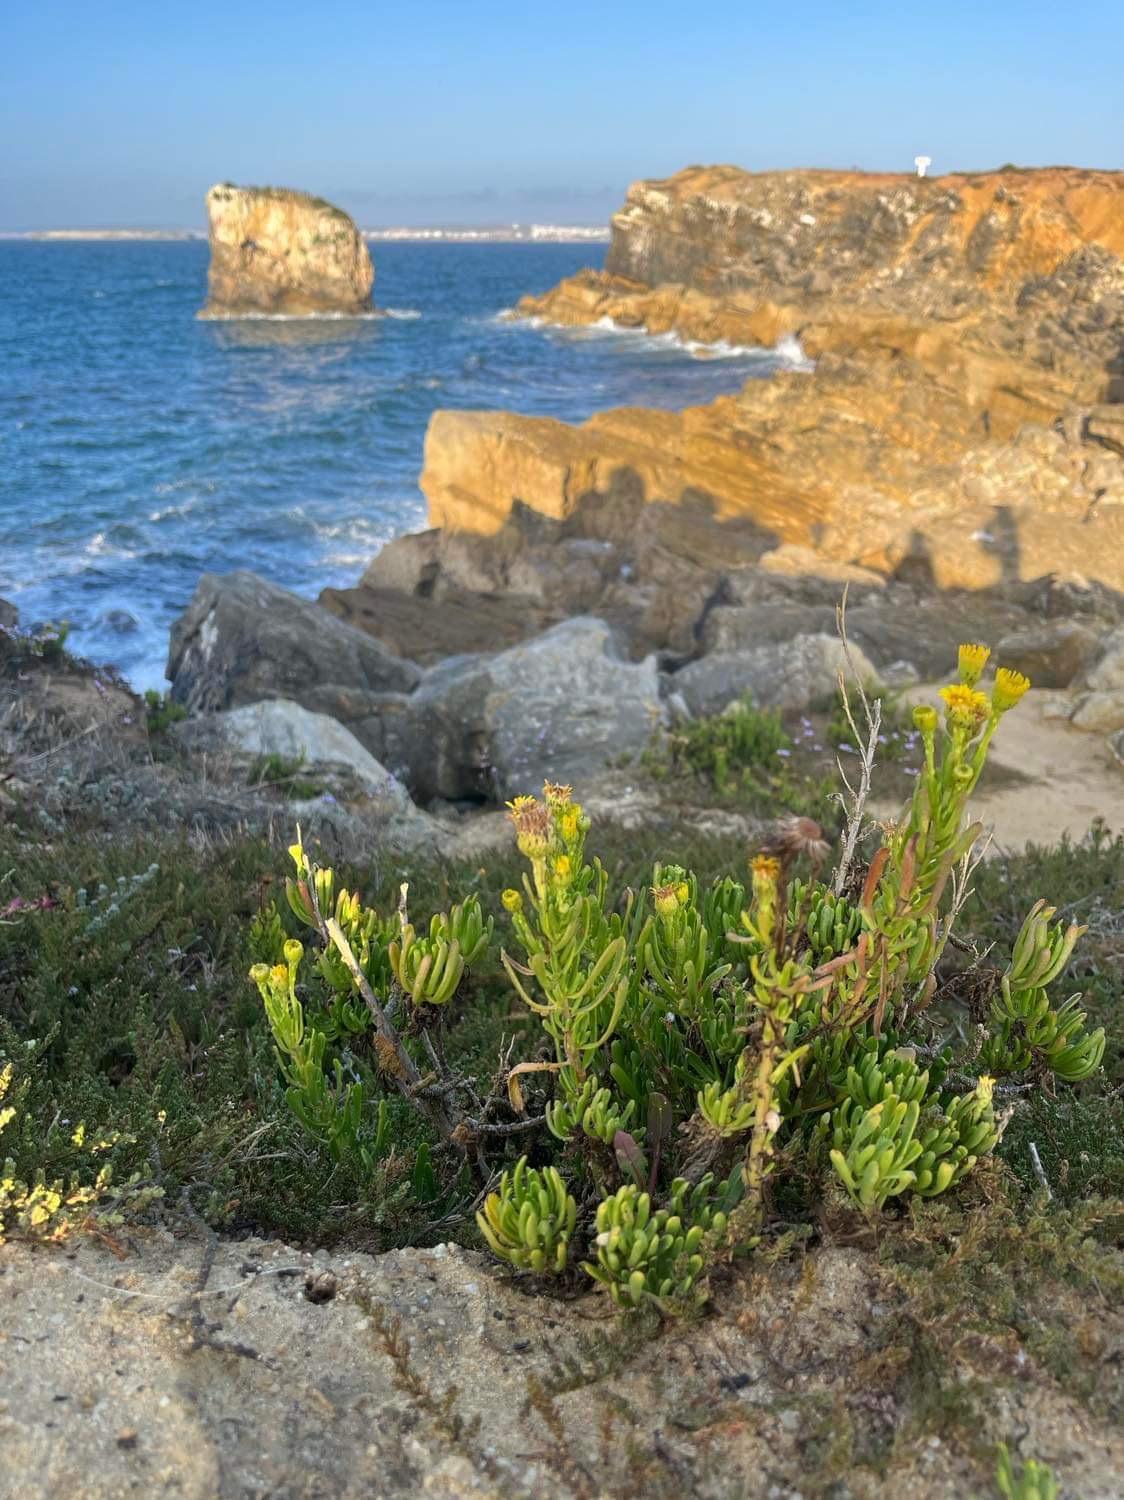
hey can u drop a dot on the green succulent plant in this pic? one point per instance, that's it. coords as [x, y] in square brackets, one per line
[1028, 1029]
[645, 1254]
[429, 967]
[1030, 1481]
[528, 1222]
[684, 1033]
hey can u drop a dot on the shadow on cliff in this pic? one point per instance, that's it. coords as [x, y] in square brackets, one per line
[651, 568]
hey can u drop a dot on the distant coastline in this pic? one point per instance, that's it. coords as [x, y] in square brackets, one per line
[501, 234]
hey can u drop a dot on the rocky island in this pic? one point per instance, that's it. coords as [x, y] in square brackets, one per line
[280, 253]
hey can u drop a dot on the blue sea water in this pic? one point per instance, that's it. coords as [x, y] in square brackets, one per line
[140, 447]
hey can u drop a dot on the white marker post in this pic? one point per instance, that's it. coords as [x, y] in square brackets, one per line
[922, 163]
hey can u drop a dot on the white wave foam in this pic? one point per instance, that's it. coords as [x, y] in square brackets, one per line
[787, 351]
[99, 546]
[264, 317]
[404, 314]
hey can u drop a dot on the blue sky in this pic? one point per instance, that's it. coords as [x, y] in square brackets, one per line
[118, 113]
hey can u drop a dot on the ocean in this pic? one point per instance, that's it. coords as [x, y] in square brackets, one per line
[140, 447]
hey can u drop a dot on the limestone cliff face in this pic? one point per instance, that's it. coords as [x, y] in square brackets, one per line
[926, 243]
[964, 418]
[275, 251]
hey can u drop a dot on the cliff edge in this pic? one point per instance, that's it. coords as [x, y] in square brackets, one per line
[278, 252]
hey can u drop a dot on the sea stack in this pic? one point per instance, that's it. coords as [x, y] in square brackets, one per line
[275, 251]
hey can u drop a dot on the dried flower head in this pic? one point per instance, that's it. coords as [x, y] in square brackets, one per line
[972, 661]
[1009, 688]
[534, 827]
[791, 837]
[556, 794]
[967, 709]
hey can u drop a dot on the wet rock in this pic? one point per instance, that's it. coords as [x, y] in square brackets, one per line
[9, 615]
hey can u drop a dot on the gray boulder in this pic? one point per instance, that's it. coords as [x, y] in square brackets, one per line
[1051, 654]
[242, 640]
[1100, 702]
[797, 674]
[488, 728]
[322, 746]
[280, 727]
[9, 615]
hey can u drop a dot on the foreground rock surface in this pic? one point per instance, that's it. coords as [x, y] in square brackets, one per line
[283, 253]
[421, 1372]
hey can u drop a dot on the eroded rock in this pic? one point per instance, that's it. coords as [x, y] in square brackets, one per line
[278, 252]
[427, 1373]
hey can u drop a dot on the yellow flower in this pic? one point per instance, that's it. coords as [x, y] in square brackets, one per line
[517, 805]
[973, 659]
[984, 1087]
[967, 708]
[683, 893]
[569, 824]
[294, 951]
[764, 868]
[563, 867]
[1009, 688]
[925, 718]
[666, 900]
[512, 900]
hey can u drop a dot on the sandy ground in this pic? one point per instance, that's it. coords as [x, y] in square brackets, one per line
[1065, 777]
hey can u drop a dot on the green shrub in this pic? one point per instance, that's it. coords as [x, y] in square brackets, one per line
[741, 756]
[691, 1038]
[284, 775]
[161, 712]
[34, 1207]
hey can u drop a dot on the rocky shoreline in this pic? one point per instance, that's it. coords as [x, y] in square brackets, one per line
[955, 460]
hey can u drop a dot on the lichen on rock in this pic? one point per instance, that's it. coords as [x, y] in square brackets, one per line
[281, 253]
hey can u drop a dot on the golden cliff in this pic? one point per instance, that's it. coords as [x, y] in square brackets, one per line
[280, 252]
[963, 423]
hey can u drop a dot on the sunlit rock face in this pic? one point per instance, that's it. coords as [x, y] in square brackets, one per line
[283, 253]
[960, 427]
